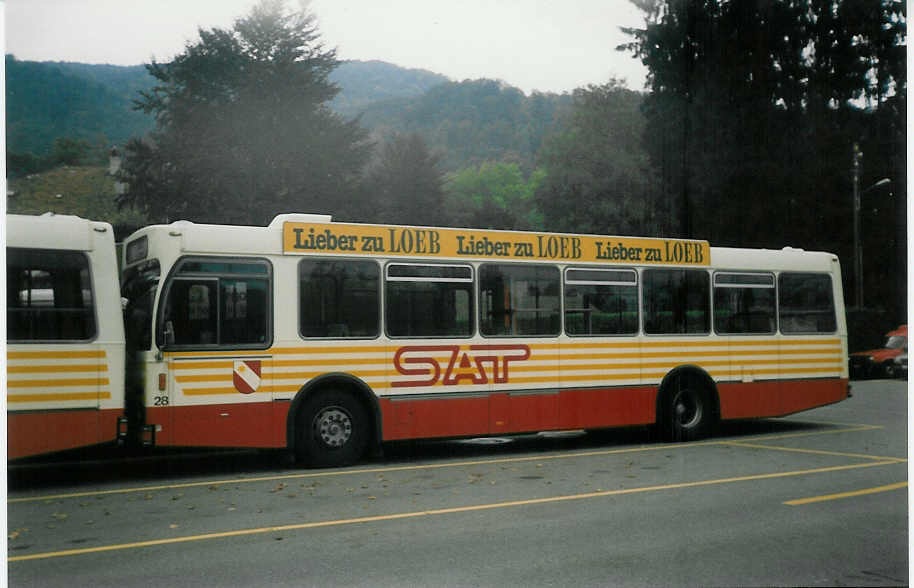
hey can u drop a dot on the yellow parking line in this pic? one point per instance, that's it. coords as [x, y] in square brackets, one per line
[850, 428]
[352, 472]
[839, 495]
[482, 462]
[814, 451]
[434, 512]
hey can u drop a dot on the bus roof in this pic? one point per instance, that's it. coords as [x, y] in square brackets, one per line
[55, 231]
[310, 234]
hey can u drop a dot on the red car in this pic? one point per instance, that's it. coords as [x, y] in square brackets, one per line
[877, 363]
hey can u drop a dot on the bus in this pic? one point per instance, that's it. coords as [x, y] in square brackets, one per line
[330, 338]
[65, 334]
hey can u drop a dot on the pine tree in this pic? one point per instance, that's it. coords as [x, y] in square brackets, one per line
[243, 130]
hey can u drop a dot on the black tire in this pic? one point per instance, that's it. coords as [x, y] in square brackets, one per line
[332, 429]
[687, 412]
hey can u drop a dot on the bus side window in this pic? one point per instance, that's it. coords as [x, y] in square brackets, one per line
[216, 302]
[49, 296]
[190, 312]
[519, 300]
[805, 303]
[429, 300]
[744, 303]
[601, 301]
[339, 298]
[676, 302]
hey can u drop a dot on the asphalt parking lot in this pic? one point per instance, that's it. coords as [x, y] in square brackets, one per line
[817, 498]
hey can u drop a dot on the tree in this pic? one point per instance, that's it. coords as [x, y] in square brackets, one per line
[493, 196]
[598, 178]
[754, 112]
[243, 130]
[405, 185]
[754, 107]
[70, 151]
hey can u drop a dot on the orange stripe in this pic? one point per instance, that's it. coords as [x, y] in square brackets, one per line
[93, 354]
[57, 383]
[57, 397]
[203, 365]
[278, 375]
[55, 369]
[726, 347]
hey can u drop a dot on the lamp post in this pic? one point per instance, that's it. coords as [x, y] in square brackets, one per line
[858, 258]
[858, 248]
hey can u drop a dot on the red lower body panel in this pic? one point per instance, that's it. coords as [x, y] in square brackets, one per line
[258, 424]
[263, 424]
[34, 433]
[770, 398]
[501, 413]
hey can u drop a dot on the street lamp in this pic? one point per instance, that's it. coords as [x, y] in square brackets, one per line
[858, 248]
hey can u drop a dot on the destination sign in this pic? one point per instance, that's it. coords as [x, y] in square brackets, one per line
[387, 240]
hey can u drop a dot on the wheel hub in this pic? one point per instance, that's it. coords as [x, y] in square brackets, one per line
[333, 426]
[687, 409]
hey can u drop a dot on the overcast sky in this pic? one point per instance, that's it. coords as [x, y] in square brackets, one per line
[543, 45]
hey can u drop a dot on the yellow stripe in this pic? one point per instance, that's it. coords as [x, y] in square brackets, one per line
[276, 363]
[203, 365]
[57, 383]
[811, 451]
[839, 495]
[57, 397]
[628, 343]
[319, 348]
[328, 362]
[56, 369]
[566, 367]
[699, 341]
[93, 354]
[215, 391]
[721, 353]
[633, 345]
[276, 375]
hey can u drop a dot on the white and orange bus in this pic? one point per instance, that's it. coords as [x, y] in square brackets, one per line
[65, 334]
[329, 338]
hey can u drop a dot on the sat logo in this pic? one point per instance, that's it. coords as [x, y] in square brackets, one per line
[476, 364]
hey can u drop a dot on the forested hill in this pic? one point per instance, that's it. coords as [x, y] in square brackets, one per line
[365, 82]
[467, 122]
[45, 101]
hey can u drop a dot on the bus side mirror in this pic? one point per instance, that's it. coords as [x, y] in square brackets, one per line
[169, 333]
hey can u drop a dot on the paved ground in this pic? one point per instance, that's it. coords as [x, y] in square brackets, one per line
[818, 498]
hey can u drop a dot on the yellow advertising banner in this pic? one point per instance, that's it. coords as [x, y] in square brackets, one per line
[398, 241]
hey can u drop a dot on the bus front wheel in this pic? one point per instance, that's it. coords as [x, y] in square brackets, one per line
[332, 429]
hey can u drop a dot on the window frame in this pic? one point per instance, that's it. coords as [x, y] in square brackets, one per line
[559, 295]
[743, 285]
[831, 297]
[709, 308]
[471, 280]
[379, 298]
[93, 307]
[175, 274]
[635, 284]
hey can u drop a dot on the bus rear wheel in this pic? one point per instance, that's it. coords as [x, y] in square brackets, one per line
[332, 429]
[687, 412]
